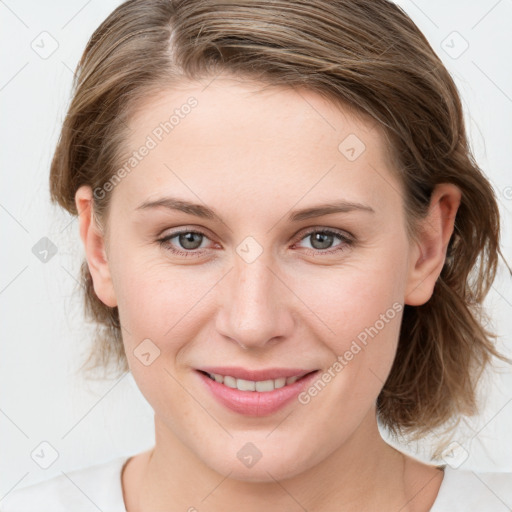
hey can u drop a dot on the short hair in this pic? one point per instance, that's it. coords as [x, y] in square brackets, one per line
[366, 55]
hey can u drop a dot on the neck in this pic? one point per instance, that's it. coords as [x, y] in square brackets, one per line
[364, 473]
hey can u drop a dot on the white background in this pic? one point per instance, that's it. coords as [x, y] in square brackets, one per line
[44, 335]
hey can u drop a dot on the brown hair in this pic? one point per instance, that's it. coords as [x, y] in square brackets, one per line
[367, 54]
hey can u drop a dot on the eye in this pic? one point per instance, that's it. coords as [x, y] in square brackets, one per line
[187, 240]
[322, 240]
[188, 243]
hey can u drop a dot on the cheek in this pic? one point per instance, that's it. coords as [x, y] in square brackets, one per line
[150, 292]
[350, 298]
[164, 303]
[361, 312]
[359, 309]
[158, 311]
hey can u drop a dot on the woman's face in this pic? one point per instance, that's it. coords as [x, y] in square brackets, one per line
[259, 279]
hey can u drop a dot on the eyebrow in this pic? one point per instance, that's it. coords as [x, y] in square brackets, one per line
[202, 211]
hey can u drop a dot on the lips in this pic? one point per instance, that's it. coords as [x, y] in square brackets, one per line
[249, 392]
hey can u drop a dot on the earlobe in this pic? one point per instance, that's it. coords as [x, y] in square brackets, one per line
[428, 252]
[94, 245]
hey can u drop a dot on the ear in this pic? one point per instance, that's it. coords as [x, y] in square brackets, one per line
[428, 252]
[94, 244]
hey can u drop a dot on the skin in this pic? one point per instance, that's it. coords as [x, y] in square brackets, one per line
[254, 155]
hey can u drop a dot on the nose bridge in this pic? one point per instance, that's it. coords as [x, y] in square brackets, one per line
[254, 312]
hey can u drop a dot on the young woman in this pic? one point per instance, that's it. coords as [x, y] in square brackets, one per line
[280, 212]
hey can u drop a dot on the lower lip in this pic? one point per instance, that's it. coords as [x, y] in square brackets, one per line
[256, 403]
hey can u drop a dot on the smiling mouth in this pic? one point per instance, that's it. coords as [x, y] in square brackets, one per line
[251, 385]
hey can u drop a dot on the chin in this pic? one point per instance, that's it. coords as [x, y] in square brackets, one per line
[271, 463]
[262, 472]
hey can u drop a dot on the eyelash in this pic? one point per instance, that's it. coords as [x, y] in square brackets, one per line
[347, 242]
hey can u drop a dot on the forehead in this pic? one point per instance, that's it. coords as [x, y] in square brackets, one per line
[252, 141]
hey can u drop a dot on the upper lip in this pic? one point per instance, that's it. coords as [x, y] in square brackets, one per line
[255, 375]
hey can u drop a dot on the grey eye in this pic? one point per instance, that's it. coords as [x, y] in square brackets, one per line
[321, 240]
[190, 240]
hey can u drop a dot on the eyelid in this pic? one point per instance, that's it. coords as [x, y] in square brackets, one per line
[165, 238]
[186, 228]
[323, 229]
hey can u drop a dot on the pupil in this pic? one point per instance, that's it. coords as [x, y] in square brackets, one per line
[321, 240]
[187, 240]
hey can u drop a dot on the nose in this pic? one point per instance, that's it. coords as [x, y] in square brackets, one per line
[256, 311]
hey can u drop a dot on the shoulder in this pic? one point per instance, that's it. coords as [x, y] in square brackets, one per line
[90, 489]
[472, 491]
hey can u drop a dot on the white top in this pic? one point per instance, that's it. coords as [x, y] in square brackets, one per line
[99, 488]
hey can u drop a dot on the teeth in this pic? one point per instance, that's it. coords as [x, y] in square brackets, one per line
[251, 385]
[279, 383]
[245, 385]
[265, 385]
[230, 382]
